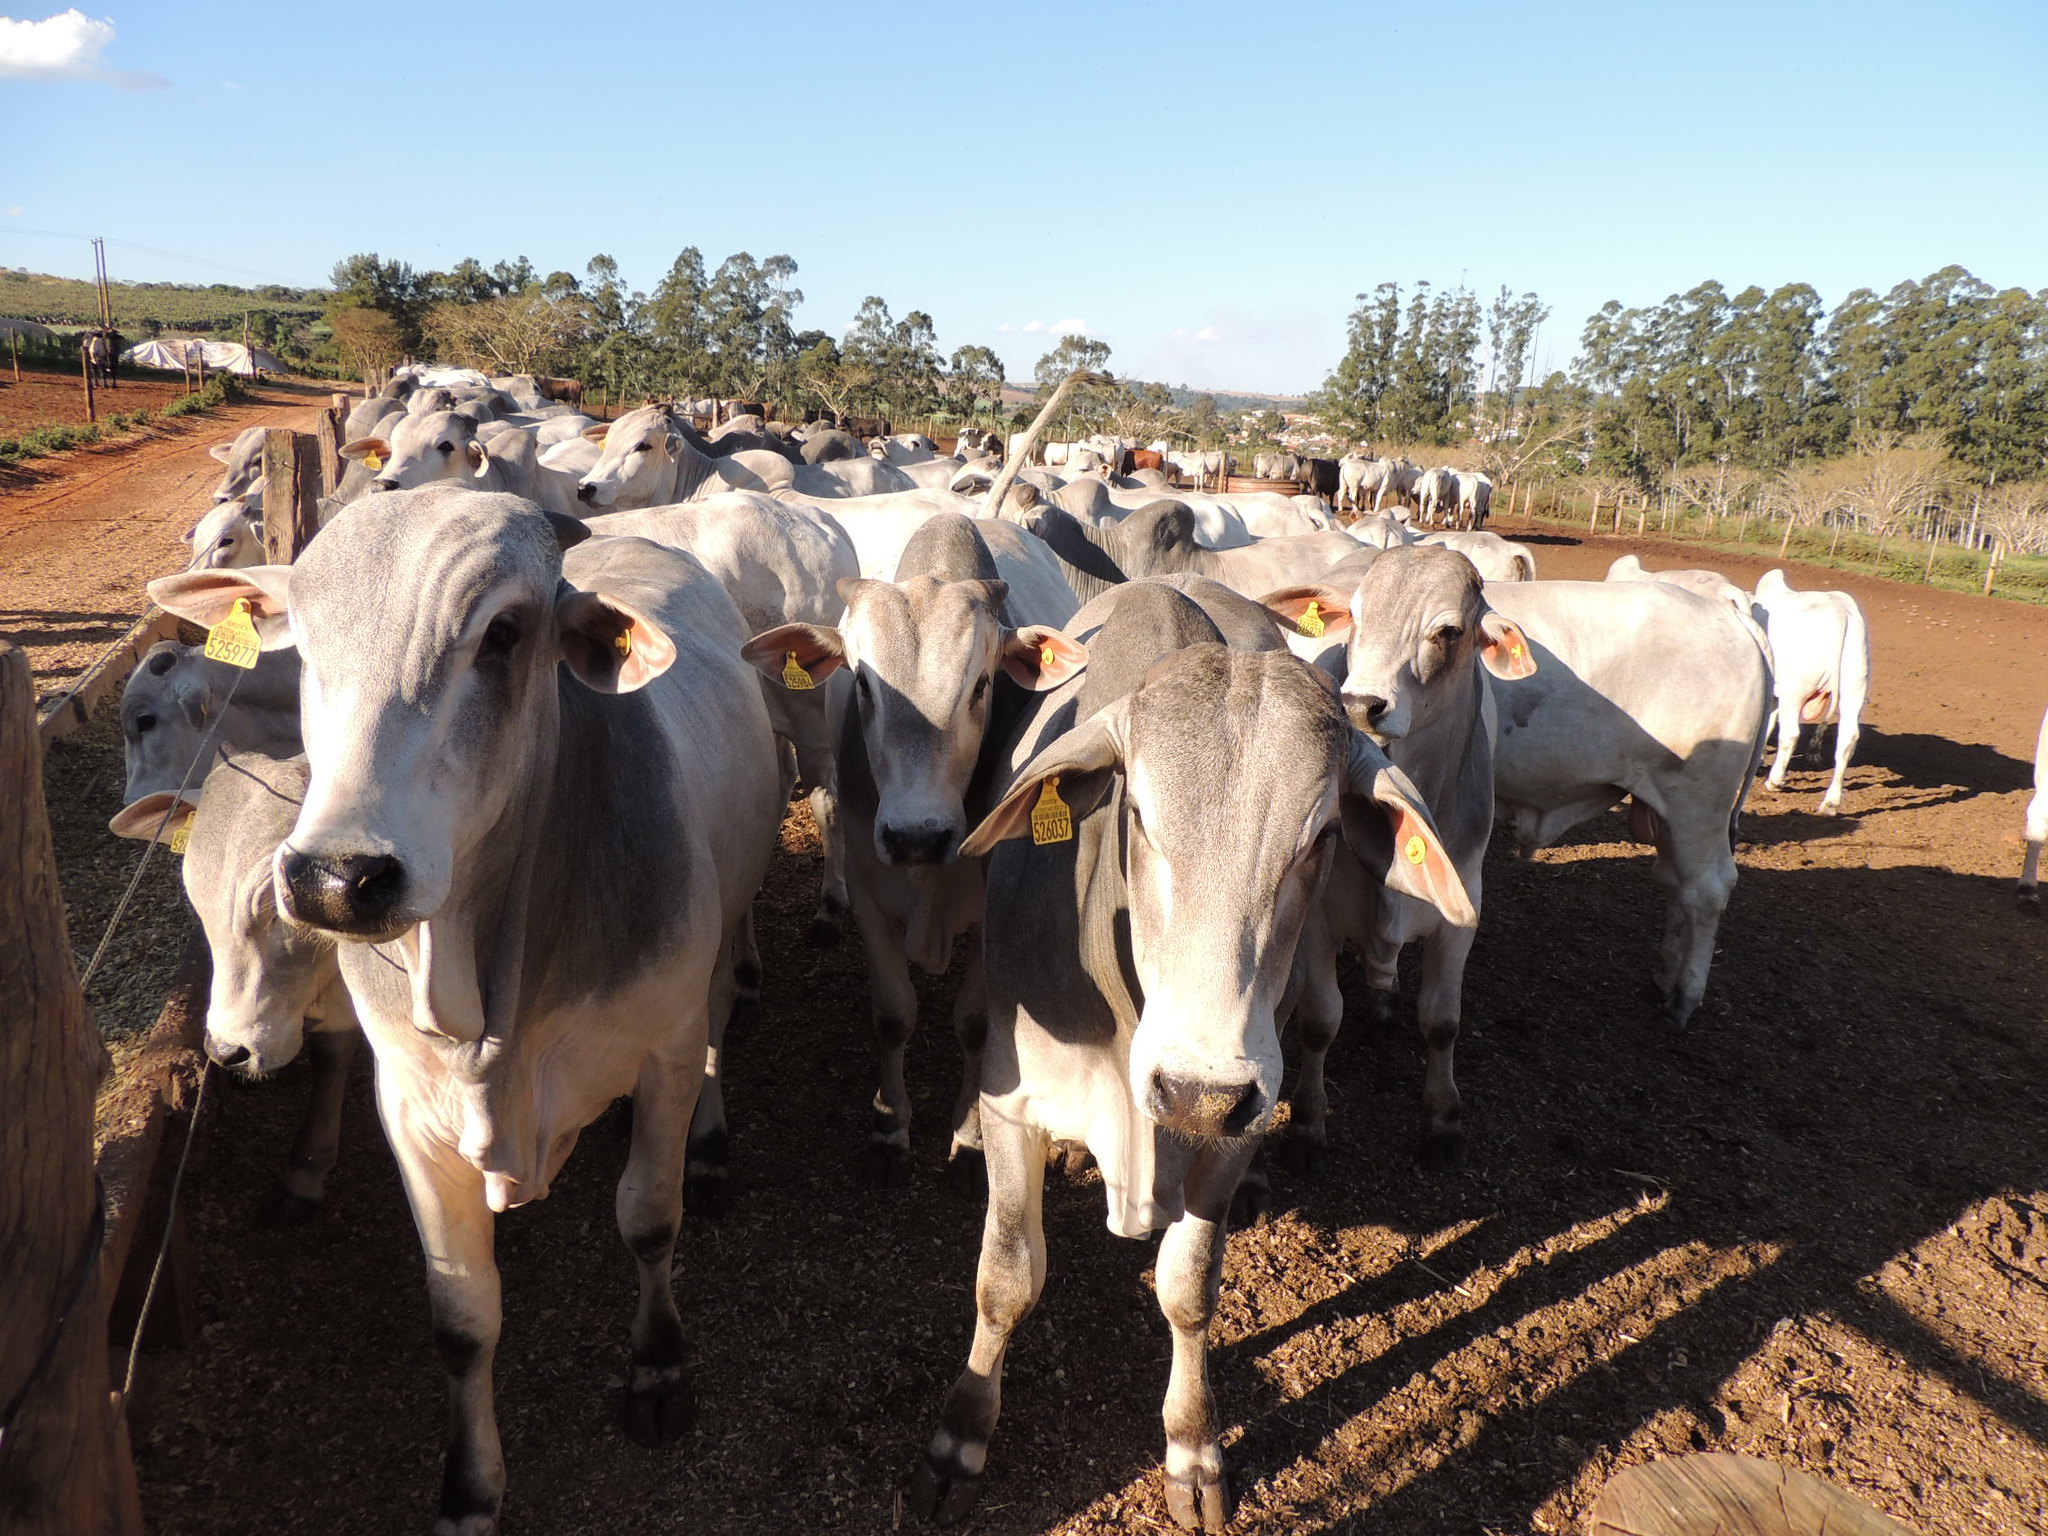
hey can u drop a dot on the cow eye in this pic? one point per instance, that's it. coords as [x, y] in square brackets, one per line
[445, 447]
[1449, 635]
[980, 688]
[501, 635]
[144, 723]
[645, 448]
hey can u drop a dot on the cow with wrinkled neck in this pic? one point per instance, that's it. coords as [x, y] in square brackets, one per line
[541, 794]
[1421, 645]
[1150, 873]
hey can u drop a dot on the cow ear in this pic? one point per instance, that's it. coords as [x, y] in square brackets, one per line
[1083, 762]
[1388, 827]
[1504, 648]
[479, 458]
[609, 644]
[1301, 609]
[596, 433]
[154, 818]
[222, 451]
[1040, 658]
[366, 447]
[207, 597]
[819, 649]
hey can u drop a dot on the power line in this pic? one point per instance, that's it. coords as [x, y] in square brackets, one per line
[151, 250]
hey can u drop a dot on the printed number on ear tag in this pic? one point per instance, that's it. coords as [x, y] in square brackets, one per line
[372, 463]
[181, 835]
[793, 675]
[1051, 821]
[1417, 850]
[234, 639]
[1311, 621]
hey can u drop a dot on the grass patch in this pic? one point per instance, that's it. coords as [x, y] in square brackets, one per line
[2023, 578]
[40, 442]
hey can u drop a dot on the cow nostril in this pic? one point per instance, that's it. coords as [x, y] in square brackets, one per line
[1368, 707]
[1204, 1109]
[586, 493]
[352, 893]
[387, 485]
[917, 845]
[226, 1055]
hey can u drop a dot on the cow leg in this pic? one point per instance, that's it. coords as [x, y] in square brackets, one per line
[2029, 893]
[1006, 1287]
[649, 1205]
[1788, 741]
[1847, 729]
[970, 1026]
[1319, 1010]
[1697, 870]
[456, 1228]
[893, 1008]
[302, 1182]
[817, 762]
[735, 994]
[1438, 1009]
[1188, 1280]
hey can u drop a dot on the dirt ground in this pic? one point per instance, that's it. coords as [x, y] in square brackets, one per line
[56, 396]
[1812, 1228]
[81, 532]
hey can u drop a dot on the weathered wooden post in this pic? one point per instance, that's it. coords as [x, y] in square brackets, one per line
[333, 432]
[56, 1421]
[85, 368]
[14, 346]
[1991, 570]
[1593, 522]
[291, 493]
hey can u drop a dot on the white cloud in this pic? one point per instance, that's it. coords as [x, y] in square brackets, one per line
[14, 213]
[1069, 328]
[230, 85]
[66, 47]
[1028, 328]
[1206, 333]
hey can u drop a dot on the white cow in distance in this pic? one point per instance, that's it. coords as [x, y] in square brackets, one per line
[1820, 649]
[2037, 825]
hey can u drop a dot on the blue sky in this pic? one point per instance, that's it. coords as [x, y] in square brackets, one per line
[1204, 186]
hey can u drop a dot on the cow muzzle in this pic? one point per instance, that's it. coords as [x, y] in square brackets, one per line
[924, 842]
[1193, 1107]
[357, 895]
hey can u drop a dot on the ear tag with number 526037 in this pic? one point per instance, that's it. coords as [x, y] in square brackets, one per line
[794, 676]
[1051, 821]
[1311, 621]
[181, 834]
[234, 639]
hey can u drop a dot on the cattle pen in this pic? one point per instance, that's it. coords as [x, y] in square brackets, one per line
[1810, 1229]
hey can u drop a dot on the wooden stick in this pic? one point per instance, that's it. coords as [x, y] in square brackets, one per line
[291, 493]
[57, 1458]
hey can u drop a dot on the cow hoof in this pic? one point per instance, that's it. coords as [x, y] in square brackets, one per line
[1304, 1156]
[1444, 1149]
[707, 1191]
[2029, 900]
[466, 1525]
[1678, 1015]
[885, 1165]
[1383, 1010]
[1199, 1503]
[967, 1173]
[282, 1210]
[659, 1404]
[942, 1494]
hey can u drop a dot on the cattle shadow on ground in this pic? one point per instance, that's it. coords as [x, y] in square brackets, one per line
[1752, 1153]
[1935, 762]
[31, 626]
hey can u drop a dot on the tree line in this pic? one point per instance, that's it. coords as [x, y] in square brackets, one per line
[1753, 384]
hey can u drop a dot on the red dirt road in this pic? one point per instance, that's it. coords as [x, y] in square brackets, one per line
[80, 533]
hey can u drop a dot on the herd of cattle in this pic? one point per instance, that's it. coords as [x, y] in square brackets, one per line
[501, 787]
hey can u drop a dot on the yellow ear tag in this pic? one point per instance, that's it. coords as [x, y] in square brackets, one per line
[622, 642]
[1311, 621]
[234, 639]
[1051, 821]
[1045, 658]
[1417, 850]
[372, 463]
[181, 835]
[794, 676]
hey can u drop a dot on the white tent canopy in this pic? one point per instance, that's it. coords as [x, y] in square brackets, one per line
[179, 352]
[27, 330]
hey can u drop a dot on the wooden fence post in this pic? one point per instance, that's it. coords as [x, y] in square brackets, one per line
[1991, 570]
[333, 430]
[1593, 522]
[291, 493]
[85, 370]
[14, 345]
[57, 1468]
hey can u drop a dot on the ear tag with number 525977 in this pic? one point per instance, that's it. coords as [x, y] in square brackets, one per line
[234, 639]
